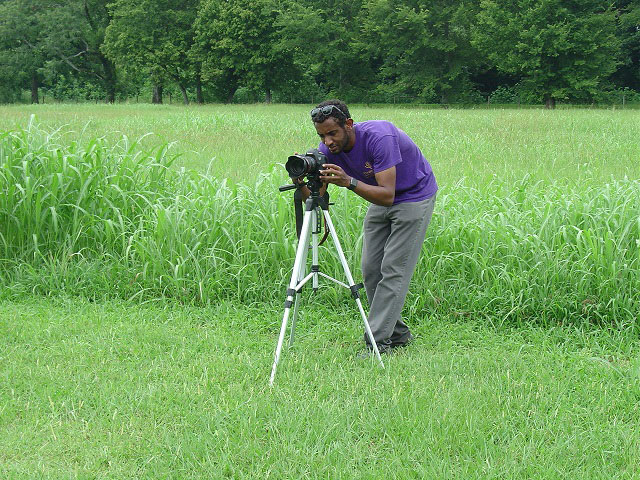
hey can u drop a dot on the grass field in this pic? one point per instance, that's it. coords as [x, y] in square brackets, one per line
[141, 301]
[123, 391]
[470, 146]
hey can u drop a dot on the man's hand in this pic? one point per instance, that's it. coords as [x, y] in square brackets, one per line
[334, 174]
[381, 194]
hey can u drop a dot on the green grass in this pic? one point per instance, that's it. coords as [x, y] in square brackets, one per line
[119, 390]
[234, 142]
[140, 302]
[238, 142]
[107, 221]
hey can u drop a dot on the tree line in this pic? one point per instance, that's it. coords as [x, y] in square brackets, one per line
[436, 51]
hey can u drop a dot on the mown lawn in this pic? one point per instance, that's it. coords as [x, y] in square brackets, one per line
[119, 390]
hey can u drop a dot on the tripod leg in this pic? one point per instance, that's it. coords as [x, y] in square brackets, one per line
[347, 272]
[314, 242]
[314, 247]
[297, 267]
[292, 329]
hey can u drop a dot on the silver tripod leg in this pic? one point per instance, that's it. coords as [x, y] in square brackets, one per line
[301, 274]
[292, 329]
[347, 272]
[301, 253]
[314, 249]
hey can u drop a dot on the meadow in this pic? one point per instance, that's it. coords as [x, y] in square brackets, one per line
[238, 142]
[144, 255]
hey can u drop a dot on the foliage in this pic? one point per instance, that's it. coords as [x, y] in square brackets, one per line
[23, 45]
[39, 51]
[378, 51]
[10, 81]
[628, 31]
[153, 35]
[237, 44]
[324, 37]
[76, 50]
[71, 88]
[504, 95]
[422, 48]
[561, 50]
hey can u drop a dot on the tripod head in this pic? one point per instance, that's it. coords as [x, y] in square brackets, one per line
[312, 202]
[313, 183]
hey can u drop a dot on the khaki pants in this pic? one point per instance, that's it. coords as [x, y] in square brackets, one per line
[393, 238]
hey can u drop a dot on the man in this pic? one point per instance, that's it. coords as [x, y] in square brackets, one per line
[379, 162]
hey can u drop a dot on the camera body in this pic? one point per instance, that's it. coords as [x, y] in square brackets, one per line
[308, 164]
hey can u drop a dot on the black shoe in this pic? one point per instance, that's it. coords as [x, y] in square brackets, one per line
[408, 341]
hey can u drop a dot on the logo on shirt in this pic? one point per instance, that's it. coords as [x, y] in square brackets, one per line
[368, 173]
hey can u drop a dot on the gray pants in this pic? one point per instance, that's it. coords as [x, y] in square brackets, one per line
[393, 238]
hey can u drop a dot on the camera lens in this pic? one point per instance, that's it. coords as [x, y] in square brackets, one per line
[297, 166]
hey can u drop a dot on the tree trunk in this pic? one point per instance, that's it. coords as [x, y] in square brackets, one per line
[109, 79]
[230, 95]
[228, 85]
[185, 98]
[111, 94]
[549, 102]
[268, 96]
[199, 97]
[157, 94]
[34, 88]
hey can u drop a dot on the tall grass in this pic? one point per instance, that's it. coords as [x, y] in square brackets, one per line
[65, 198]
[102, 219]
[533, 251]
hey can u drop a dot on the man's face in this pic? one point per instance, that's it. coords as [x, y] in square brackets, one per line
[336, 138]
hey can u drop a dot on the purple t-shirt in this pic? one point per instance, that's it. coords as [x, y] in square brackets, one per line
[381, 145]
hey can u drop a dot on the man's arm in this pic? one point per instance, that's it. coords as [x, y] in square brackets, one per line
[382, 194]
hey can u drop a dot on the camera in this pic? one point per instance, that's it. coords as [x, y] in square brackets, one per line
[308, 164]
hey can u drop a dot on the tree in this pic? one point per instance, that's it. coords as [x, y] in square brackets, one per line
[238, 44]
[324, 39]
[42, 39]
[628, 75]
[77, 48]
[153, 35]
[422, 47]
[561, 49]
[23, 45]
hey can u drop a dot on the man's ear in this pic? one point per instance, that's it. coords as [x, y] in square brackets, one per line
[348, 122]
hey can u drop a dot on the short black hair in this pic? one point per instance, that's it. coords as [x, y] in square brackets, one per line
[341, 106]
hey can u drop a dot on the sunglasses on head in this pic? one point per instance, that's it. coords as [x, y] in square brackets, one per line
[326, 111]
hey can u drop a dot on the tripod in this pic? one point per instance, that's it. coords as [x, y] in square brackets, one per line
[315, 208]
